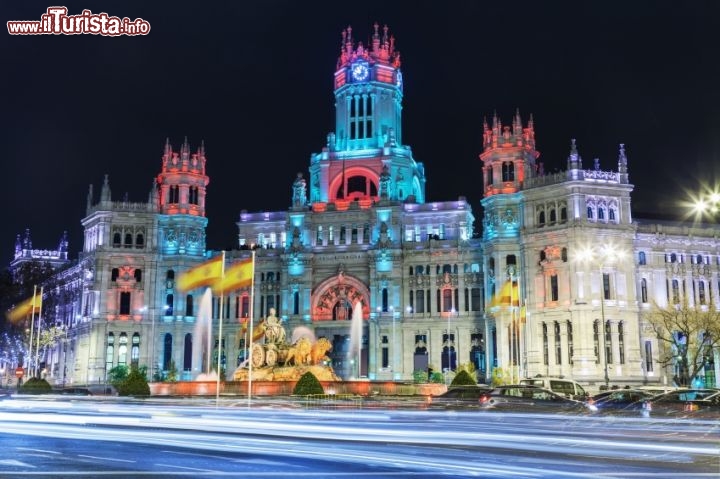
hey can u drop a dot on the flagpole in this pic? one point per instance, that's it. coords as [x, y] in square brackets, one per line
[37, 337]
[32, 329]
[252, 304]
[220, 331]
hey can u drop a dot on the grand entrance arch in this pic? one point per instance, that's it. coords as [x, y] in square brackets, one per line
[333, 302]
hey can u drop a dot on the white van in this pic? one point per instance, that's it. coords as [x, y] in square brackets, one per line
[564, 387]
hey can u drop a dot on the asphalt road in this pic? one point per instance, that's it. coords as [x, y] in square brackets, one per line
[85, 438]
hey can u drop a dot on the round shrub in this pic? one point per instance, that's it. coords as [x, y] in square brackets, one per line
[134, 385]
[35, 386]
[308, 384]
[463, 378]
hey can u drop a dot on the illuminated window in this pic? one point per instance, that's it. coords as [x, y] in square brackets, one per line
[135, 351]
[110, 352]
[169, 305]
[508, 171]
[122, 349]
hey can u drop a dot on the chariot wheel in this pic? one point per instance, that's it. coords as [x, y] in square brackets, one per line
[271, 357]
[257, 356]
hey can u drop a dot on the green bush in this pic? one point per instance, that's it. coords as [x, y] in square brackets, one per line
[437, 377]
[134, 385]
[463, 378]
[308, 384]
[35, 386]
[118, 374]
[420, 376]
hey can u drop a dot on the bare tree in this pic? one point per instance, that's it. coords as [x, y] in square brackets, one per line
[688, 335]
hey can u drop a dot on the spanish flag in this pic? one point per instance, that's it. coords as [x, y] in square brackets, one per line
[237, 276]
[24, 309]
[509, 292]
[207, 273]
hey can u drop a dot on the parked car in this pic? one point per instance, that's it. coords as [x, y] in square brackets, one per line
[562, 386]
[684, 402]
[526, 398]
[458, 396]
[76, 392]
[620, 400]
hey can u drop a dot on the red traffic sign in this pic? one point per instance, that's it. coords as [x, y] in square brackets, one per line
[19, 372]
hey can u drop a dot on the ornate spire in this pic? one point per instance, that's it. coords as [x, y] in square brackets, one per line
[105, 191]
[63, 245]
[27, 242]
[573, 161]
[18, 246]
[622, 164]
[90, 199]
[380, 49]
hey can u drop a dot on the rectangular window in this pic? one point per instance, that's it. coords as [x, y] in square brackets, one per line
[419, 301]
[606, 285]
[554, 288]
[447, 300]
[558, 345]
[608, 343]
[648, 356]
[125, 303]
[546, 359]
[475, 300]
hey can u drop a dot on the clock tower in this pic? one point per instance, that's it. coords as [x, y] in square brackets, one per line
[364, 159]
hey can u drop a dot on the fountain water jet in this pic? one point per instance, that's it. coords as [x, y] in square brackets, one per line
[356, 328]
[201, 346]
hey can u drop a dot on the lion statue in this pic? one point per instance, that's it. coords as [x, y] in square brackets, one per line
[317, 353]
[299, 353]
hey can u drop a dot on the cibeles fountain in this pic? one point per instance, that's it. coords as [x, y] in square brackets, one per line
[273, 358]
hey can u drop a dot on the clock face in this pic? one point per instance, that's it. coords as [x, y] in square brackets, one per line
[360, 72]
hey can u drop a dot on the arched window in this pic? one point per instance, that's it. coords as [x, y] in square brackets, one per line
[608, 343]
[541, 218]
[189, 306]
[125, 302]
[447, 268]
[570, 342]
[641, 258]
[601, 214]
[621, 343]
[384, 300]
[116, 240]
[110, 352]
[564, 255]
[673, 258]
[611, 214]
[596, 340]
[419, 270]
[135, 351]
[139, 241]
[419, 301]
[123, 349]
[296, 302]
[553, 216]
[543, 255]
[169, 305]
[167, 351]
[187, 353]
[546, 352]
[489, 177]
[170, 275]
[508, 171]
[701, 292]
[138, 275]
[563, 214]
[447, 300]
[589, 213]
[643, 290]
[128, 240]
[675, 291]
[558, 344]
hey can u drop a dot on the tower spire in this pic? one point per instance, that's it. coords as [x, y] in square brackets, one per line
[105, 195]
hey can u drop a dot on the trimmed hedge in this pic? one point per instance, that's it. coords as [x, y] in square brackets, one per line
[308, 384]
[463, 378]
[134, 385]
[35, 386]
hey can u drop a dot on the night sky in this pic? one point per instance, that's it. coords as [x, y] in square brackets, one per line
[254, 80]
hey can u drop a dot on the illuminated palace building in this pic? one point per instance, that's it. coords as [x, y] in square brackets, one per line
[361, 230]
